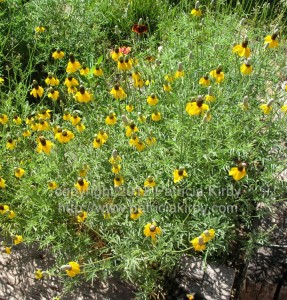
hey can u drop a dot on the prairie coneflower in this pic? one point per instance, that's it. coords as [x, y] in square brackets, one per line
[118, 180]
[204, 81]
[266, 108]
[208, 235]
[150, 182]
[217, 74]
[179, 73]
[58, 54]
[196, 11]
[18, 239]
[72, 269]
[116, 54]
[140, 145]
[118, 92]
[246, 68]
[111, 119]
[82, 216]
[51, 80]
[43, 125]
[198, 244]
[150, 140]
[134, 140]
[271, 40]
[44, 114]
[103, 136]
[37, 90]
[136, 213]
[139, 192]
[98, 71]
[11, 144]
[53, 94]
[40, 29]
[156, 116]
[152, 100]
[17, 120]
[80, 127]
[116, 168]
[3, 119]
[131, 128]
[19, 172]
[44, 145]
[82, 185]
[242, 49]
[84, 71]
[4, 209]
[196, 107]
[97, 143]
[179, 174]
[167, 87]
[38, 274]
[52, 185]
[284, 108]
[83, 95]
[129, 107]
[73, 64]
[67, 116]
[115, 158]
[64, 136]
[71, 82]
[238, 172]
[26, 133]
[152, 230]
[75, 119]
[8, 250]
[209, 97]
[2, 183]
[244, 105]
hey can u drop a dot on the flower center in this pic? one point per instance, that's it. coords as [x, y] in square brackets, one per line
[152, 228]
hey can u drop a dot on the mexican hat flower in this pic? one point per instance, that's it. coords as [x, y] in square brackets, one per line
[179, 174]
[246, 68]
[82, 185]
[136, 213]
[97, 142]
[271, 40]
[19, 172]
[150, 182]
[238, 172]
[37, 90]
[58, 54]
[196, 11]
[129, 107]
[152, 100]
[2, 183]
[82, 216]
[208, 235]
[44, 145]
[67, 116]
[44, 114]
[152, 230]
[73, 64]
[83, 95]
[75, 119]
[198, 244]
[118, 92]
[115, 158]
[266, 108]
[196, 107]
[18, 239]
[217, 74]
[80, 127]
[134, 140]
[103, 136]
[242, 49]
[72, 269]
[43, 125]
